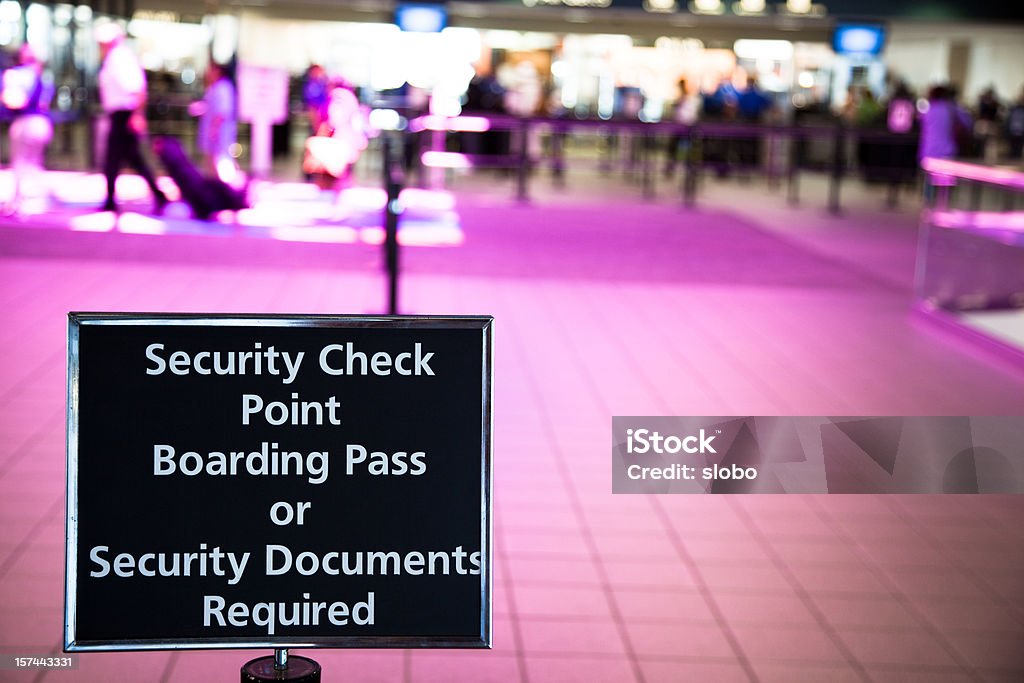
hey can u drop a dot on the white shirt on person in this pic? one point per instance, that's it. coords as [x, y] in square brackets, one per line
[121, 79]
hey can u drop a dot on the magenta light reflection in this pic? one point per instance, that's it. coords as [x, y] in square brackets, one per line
[91, 188]
[94, 222]
[426, 200]
[433, 159]
[469, 124]
[79, 188]
[137, 224]
[418, 236]
[455, 124]
[431, 236]
[1006, 177]
[374, 198]
[6, 185]
[291, 212]
[288, 213]
[271, 214]
[981, 220]
[322, 234]
[264, 189]
[363, 198]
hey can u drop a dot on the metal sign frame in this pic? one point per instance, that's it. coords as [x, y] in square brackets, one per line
[76, 321]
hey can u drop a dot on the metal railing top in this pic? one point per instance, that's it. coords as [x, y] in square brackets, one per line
[1003, 176]
[481, 122]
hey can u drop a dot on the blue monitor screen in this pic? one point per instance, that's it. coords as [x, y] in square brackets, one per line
[858, 39]
[421, 18]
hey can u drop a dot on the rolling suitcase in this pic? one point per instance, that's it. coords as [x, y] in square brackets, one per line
[205, 195]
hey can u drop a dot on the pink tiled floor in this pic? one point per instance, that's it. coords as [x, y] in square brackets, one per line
[601, 310]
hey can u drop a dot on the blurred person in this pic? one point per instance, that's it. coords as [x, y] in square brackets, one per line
[218, 121]
[122, 84]
[967, 143]
[869, 111]
[559, 132]
[26, 95]
[941, 125]
[752, 105]
[718, 105]
[986, 128]
[1015, 127]
[685, 112]
[484, 96]
[340, 140]
[989, 106]
[160, 105]
[630, 102]
[524, 97]
[848, 111]
[901, 119]
[872, 155]
[316, 90]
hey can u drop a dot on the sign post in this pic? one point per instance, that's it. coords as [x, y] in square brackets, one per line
[262, 102]
[244, 481]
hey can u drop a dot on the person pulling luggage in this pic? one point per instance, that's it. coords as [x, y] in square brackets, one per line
[123, 96]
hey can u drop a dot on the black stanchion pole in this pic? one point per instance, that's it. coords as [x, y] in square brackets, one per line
[792, 181]
[690, 176]
[392, 208]
[558, 135]
[523, 168]
[893, 195]
[646, 174]
[771, 157]
[836, 176]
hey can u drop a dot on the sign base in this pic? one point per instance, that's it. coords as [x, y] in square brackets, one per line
[297, 670]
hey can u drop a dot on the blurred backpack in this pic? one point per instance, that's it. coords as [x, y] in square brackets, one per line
[900, 118]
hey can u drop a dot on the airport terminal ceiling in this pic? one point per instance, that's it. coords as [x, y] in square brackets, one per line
[982, 10]
[555, 15]
[517, 17]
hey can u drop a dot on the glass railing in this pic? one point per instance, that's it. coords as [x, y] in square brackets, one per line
[970, 260]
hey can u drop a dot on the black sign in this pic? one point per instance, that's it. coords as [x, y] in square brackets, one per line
[264, 481]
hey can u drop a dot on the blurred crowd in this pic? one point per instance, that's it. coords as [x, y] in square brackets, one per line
[991, 128]
[134, 116]
[137, 110]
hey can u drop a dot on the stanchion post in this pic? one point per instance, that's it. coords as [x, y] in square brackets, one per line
[647, 173]
[771, 157]
[690, 176]
[523, 167]
[892, 197]
[392, 209]
[792, 181]
[838, 154]
[558, 134]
